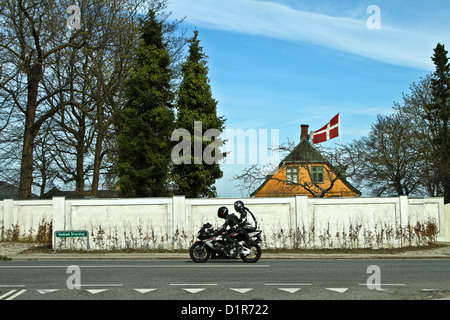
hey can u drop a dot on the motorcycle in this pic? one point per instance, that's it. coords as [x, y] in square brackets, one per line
[211, 241]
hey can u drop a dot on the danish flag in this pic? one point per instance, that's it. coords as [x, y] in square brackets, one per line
[328, 132]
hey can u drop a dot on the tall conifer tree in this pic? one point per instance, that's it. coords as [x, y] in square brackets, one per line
[147, 119]
[196, 104]
[438, 115]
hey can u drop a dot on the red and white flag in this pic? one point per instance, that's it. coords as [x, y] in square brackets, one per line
[328, 132]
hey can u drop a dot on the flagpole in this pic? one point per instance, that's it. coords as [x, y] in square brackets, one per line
[340, 136]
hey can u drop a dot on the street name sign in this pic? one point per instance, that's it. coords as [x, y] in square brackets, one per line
[71, 234]
[68, 234]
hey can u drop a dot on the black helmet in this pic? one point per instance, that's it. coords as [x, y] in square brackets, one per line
[239, 206]
[222, 212]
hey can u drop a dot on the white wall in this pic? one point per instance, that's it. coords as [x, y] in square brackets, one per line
[24, 217]
[446, 224]
[290, 222]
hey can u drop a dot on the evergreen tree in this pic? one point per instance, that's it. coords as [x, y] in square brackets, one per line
[438, 115]
[197, 109]
[147, 119]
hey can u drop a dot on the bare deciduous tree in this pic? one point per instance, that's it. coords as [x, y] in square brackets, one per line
[66, 83]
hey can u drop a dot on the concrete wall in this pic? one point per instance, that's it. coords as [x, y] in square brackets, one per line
[446, 236]
[293, 222]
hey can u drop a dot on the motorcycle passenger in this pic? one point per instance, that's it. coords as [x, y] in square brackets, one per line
[231, 221]
[247, 219]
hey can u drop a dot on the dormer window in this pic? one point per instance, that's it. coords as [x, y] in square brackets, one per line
[292, 175]
[317, 174]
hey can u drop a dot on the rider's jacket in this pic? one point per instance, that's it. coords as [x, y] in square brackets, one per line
[232, 221]
[247, 219]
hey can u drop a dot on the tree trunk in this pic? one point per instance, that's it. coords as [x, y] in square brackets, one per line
[79, 178]
[26, 170]
[98, 155]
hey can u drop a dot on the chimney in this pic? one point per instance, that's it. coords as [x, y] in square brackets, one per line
[305, 133]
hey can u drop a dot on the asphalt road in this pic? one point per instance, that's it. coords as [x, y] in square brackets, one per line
[225, 280]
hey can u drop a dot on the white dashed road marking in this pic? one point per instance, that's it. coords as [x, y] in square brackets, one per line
[290, 290]
[339, 290]
[242, 290]
[194, 290]
[95, 291]
[144, 290]
[45, 291]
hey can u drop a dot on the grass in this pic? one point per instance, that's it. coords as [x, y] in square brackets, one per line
[48, 249]
[359, 250]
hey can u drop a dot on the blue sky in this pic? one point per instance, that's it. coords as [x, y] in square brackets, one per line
[282, 63]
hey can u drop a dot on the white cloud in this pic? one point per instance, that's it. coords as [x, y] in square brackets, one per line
[408, 48]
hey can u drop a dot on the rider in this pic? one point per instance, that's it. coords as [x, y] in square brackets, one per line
[247, 219]
[232, 221]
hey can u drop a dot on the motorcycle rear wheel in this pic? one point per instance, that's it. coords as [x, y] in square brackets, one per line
[256, 253]
[199, 253]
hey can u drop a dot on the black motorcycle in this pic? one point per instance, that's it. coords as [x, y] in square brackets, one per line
[212, 242]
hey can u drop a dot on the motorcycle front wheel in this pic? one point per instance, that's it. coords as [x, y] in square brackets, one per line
[254, 256]
[199, 252]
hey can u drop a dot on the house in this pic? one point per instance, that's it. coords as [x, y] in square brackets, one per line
[9, 191]
[305, 171]
[101, 194]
